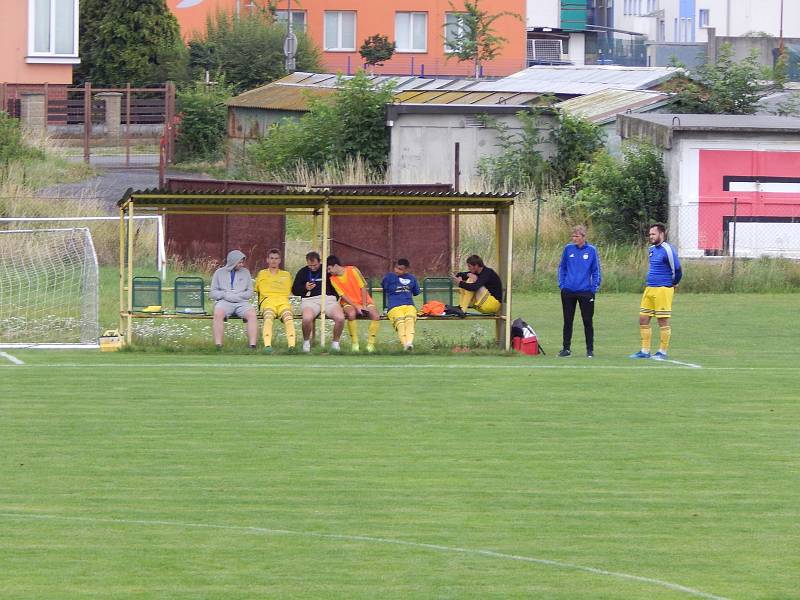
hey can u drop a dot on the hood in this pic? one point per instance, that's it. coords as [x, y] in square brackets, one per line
[234, 256]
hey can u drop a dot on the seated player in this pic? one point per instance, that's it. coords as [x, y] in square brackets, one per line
[399, 289]
[231, 289]
[354, 297]
[273, 287]
[479, 287]
[308, 285]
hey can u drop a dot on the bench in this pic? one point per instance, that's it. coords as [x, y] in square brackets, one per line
[189, 302]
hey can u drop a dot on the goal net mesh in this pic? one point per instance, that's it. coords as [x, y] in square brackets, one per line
[49, 287]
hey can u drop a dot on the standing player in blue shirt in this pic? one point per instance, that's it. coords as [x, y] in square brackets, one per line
[579, 279]
[399, 289]
[662, 281]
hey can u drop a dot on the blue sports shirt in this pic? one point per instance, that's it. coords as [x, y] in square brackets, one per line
[399, 290]
[665, 268]
[579, 269]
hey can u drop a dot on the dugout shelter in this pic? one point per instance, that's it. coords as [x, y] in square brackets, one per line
[323, 206]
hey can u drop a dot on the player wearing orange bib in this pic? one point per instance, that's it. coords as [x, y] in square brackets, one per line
[273, 287]
[354, 296]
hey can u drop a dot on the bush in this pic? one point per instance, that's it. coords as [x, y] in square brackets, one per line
[575, 141]
[349, 124]
[12, 147]
[623, 196]
[248, 50]
[202, 130]
[520, 163]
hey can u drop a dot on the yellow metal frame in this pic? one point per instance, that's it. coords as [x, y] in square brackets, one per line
[318, 206]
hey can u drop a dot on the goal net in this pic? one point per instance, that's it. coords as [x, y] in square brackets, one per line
[49, 288]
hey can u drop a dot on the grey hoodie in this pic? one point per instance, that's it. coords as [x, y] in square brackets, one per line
[242, 288]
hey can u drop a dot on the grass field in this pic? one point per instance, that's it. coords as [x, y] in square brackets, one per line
[191, 475]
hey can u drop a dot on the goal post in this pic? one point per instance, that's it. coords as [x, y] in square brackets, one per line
[49, 289]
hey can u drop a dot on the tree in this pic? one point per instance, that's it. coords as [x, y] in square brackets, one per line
[129, 41]
[723, 87]
[349, 124]
[248, 50]
[204, 118]
[472, 37]
[377, 49]
[575, 141]
[622, 197]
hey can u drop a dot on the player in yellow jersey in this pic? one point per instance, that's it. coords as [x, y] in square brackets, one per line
[354, 297]
[273, 286]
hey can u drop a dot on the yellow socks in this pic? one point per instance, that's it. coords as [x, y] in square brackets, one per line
[352, 328]
[373, 332]
[664, 334]
[646, 335]
[411, 323]
[288, 323]
[267, 331]
[400, 326]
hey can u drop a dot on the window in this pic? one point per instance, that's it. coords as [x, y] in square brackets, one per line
[340, 30]
[53, 31]
[298, 19]
[411, 31]
[453, 27]
[703, 17]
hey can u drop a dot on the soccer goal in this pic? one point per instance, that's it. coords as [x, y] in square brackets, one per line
[49, 288]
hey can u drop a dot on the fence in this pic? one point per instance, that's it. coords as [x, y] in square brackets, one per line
[108, 127]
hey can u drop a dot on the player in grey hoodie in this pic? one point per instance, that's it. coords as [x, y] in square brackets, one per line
[231, 289]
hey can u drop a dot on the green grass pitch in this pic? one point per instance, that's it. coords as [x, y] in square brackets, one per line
[191, 475]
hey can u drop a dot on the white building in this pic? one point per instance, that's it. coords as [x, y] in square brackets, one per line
[687, 20]
[543, 13]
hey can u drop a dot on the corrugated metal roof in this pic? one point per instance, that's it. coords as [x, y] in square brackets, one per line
[277, 96]
[579, 80]
[368, 197]
[604, 106]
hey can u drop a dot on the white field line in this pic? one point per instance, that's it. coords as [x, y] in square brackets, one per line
[683, 364]
[380, 540]
[12, 359]
[268, 364]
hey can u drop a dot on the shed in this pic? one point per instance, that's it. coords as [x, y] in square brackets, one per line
[734, 181]
[322, 205]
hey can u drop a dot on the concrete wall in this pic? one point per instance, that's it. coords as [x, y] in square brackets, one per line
[422, 147]
[742, 46]
[661, 54]
[251, 123]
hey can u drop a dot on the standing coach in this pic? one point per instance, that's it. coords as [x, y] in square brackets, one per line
[579, 279]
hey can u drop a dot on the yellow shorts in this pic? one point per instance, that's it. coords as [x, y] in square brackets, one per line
[277, 306]
[657, 302]
[406, 310]
[482, 301]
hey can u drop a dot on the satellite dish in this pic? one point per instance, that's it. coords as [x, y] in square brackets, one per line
[188, 3]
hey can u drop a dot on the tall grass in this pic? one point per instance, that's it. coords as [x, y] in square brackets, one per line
[23, 176]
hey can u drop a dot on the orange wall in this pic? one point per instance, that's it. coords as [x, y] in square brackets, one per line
[378, 16]
[14, 48]
[192, 14]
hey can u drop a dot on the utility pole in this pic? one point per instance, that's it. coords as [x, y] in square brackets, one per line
[780, 47]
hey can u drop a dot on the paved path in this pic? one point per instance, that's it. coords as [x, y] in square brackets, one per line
[110, 184]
